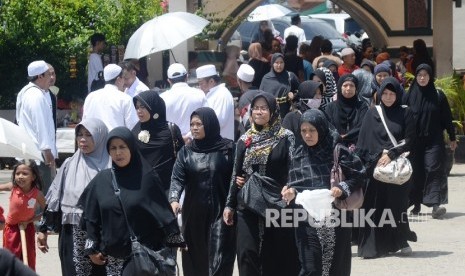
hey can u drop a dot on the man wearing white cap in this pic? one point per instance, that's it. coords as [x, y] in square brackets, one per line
[110, 104]
[218, 97]
[181, 100]
[245, 77]
[34, 114]
[132, 84]
[348, 59]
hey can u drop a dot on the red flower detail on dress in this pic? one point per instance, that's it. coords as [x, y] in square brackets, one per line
[248, 141]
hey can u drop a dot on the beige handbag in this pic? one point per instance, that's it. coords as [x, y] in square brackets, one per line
[399, 170]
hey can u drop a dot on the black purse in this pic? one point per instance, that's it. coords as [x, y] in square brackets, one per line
[144, 261]
[98, 83]
[52, 220]
[260, 193]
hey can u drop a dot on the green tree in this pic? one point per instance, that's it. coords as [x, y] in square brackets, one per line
[54, 30]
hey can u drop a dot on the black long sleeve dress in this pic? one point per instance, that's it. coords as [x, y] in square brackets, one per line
[383, 197]
[324, 250]
[263, 152]
[346, 114]
[205, 177]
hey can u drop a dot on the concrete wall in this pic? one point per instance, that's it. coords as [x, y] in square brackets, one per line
[459, 38]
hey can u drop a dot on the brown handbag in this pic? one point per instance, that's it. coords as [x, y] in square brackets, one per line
[355, 199]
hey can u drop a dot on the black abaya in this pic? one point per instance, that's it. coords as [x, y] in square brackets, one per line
[163, 142]
[148, 211]
[267, 151]
[379, 241]
[203, 169]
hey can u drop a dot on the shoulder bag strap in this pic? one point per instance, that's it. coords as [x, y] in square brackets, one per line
[173, 137]
[393, 140]
[117, 193]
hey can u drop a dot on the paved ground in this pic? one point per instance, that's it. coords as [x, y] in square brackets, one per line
[440, 249]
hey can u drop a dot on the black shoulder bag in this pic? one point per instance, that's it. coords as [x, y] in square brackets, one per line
[176, 146]
[144, 261]
[98, 83]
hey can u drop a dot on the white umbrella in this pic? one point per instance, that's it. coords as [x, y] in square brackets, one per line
[164, 32]
[267, 12]
[16, 142]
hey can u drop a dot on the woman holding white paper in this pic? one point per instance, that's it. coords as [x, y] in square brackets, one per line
[323, 250]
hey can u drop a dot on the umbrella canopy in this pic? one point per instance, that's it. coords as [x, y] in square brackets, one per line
[15, 142]
[267, 12]
[164, 32]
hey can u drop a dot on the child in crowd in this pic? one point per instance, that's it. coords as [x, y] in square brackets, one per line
[25, 197]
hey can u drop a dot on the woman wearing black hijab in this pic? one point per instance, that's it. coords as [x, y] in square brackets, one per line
[148, 211]
[158, 142]
[383, 197]
[323, 249]
[204, 169]
[280, 83]
[432, 115]
[348, 111]
[308, 96]
[263, 156]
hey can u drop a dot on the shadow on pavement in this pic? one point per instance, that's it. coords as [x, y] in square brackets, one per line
[415, 254]
[456, 174]
[426, 254]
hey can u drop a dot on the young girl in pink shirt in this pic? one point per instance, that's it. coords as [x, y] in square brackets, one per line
[24, 199]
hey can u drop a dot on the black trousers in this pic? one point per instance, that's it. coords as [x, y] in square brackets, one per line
[428, 185]
[264, 250]
[70, 249]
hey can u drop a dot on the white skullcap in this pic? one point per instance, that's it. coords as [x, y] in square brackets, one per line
[206, 71]
[111, 71]
[36, 68]
[176, 70]
[246, 73]
[347, 51]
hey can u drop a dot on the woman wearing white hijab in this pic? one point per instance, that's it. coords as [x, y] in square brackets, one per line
[71, 180]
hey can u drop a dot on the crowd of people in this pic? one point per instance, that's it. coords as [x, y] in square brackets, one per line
[222, 165]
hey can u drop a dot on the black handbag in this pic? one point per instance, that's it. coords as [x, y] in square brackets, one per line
[52, 220]
[98, 83]
[144, 261]
[260, 193]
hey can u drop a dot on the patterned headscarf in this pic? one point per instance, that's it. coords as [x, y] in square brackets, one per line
[328, 80]
[260, 140]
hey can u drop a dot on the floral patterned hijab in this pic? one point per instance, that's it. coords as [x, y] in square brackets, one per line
[260, 140]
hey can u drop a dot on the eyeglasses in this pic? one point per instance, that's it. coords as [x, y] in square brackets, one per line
[422, 76]
[140, 107]
[197, 125]
[261, 108]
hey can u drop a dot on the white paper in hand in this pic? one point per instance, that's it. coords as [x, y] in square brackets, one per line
[317, 203]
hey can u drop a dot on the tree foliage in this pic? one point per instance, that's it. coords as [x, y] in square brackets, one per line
[55, 30]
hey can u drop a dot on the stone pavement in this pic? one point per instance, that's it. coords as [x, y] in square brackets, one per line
[440, 249]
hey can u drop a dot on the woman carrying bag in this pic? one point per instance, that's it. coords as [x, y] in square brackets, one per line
[375, 148]
[146, 207]
[262, 162]
[323, 249]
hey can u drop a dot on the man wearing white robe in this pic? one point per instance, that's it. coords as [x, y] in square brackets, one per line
[181, 100]
[34, 115]
[110, 104]
[219, 98]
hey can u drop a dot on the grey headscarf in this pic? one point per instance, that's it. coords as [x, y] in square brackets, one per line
[77, 171]
[364, 85]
